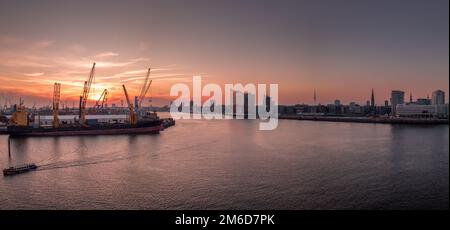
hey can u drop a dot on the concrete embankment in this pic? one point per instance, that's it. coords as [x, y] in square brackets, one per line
[383, 120]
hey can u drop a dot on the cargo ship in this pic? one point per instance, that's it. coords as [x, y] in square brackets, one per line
[141, 127]
[139, 121]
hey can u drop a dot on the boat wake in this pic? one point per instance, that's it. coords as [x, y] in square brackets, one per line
[107, 157]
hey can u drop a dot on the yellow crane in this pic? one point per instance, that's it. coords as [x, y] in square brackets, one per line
[84, 98]
[104, 98]
[56, 96]
[132, 117]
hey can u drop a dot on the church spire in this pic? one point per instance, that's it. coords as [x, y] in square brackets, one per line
[372, 100]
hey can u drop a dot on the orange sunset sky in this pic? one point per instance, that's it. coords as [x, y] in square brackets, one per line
[340, 48]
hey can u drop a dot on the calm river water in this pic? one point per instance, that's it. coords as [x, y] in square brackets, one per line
[230, 164]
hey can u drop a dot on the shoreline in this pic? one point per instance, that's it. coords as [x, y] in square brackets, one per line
[379, 120]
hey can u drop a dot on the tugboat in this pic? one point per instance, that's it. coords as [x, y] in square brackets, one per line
[13, 170]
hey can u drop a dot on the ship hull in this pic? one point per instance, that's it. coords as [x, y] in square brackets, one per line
[152, 128]
[13, 171]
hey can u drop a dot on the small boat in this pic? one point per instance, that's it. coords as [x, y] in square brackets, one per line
[13, 170]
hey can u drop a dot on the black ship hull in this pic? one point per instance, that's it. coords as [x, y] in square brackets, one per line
[18, 170]
[147, 127]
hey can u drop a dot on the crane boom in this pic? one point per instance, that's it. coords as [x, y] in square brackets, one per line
[103, 97]
[145, 93]
[144, 86]
[56, 97]
[144, 89]
[132, 117]
[86, 89]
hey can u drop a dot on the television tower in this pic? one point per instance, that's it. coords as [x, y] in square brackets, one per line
[315, 97]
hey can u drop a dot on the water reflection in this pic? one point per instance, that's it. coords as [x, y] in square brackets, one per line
[231, 164]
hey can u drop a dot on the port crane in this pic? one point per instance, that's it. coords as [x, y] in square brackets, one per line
[103, 98]
[132, 116]
[84, 98]
[144, 90]
[56, 97]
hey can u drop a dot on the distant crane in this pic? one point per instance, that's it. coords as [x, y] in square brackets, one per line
[144, 90]
[103, 98]
[56, 96]
[84, 98]
[132, 118]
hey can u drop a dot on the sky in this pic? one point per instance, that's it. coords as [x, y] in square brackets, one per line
[342, 49]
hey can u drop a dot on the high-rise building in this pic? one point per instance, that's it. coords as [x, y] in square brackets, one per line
[337, 103]
[386, 103]
[438, 97]
[397, 98]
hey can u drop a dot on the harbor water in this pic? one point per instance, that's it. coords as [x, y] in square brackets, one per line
[230, 164]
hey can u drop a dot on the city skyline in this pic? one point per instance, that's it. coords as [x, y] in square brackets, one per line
[300, 51]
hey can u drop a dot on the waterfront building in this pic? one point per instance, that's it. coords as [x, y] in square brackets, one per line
[354, 108]
[397, 98]
[422, 111]
[331, 108]
[337, 103]
[423, 101]
[438, 97]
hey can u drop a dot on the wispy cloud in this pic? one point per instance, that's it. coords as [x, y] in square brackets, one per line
[24, 63]
[76, 48]
[106, 54]
[106, 64]
[33, 74]
[5, 39]
[41, 44]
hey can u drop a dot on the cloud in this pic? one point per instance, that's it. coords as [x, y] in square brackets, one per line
[33, 74]
[106, 64]
[134, 72]
[140, 74]
[42, 44]
[24, 63]
[5, 39]
[106, 54]
[76, 48]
